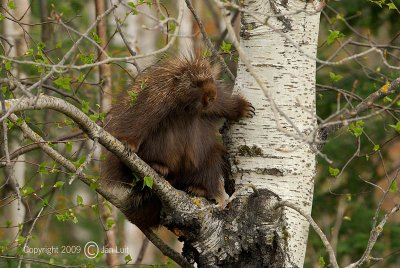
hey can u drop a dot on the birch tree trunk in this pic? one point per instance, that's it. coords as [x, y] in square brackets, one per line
[14, 33]
[185, 41]
[262, 154]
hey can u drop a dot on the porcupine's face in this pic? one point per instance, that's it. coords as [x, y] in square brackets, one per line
[200, 95]
[208, 91]
[195, 84]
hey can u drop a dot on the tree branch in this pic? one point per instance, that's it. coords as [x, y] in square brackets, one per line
[168, 195]
[109, 196]
[165, 249]
[341, 120]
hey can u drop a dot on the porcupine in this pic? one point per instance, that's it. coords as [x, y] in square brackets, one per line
[169, 117]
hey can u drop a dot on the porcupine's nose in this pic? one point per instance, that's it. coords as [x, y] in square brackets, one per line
[210, 94]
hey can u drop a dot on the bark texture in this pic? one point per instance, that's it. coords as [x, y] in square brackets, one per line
[233, 237]
[263, 153]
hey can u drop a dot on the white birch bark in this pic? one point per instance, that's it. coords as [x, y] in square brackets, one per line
[185, 41]
[15, 35]
[139, 30]
[286, 165]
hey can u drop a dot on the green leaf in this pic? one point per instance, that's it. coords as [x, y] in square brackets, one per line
[340, 17]
[81, 77]
[377, 2]
[68, 147]
[11, 4]
[94, 117]
[334, 171]
[45, 203]
[321, 261]
[20, 240]
[2, 17]
[95, 209]
[206, 53]
[39, 68]
[396, 127]
[110, 223]
[148, 181]
[172, 26]
[20, 121]
[333, 35]
[59, 44]
[87, 59]
[226, 47]
[59, 184]
[29, 52]
[391, 6]
[43, 168]
[68, 215]
[63, 82]
[96, 38]
[85, 106]
[40, 46]
[376, 147]
[7, 65]
[387, 99]
[131, 5]
[357, 128]
[97, 116]
[132, 97]
[10, 124]
[393, 188]
[94, 185]
[127, 259]
[335, 77]
[79, 162]
[27, 190]
[93, 178]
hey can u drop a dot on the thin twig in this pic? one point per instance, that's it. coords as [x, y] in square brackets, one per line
[28, 236]
[86, 162]
[165, 249]
[384, 91]
[142, 250]
[208, 41]
[131, 51]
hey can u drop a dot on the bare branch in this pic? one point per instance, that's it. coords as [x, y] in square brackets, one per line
[375, 232]
[166, 250]
[338, 122]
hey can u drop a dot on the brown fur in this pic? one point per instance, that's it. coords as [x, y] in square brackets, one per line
[173, 126]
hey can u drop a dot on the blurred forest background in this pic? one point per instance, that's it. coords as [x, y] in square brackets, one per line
[365, 155]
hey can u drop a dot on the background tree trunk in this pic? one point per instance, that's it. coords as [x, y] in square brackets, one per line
[262, 154]
[107, 214]
[14, 33]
